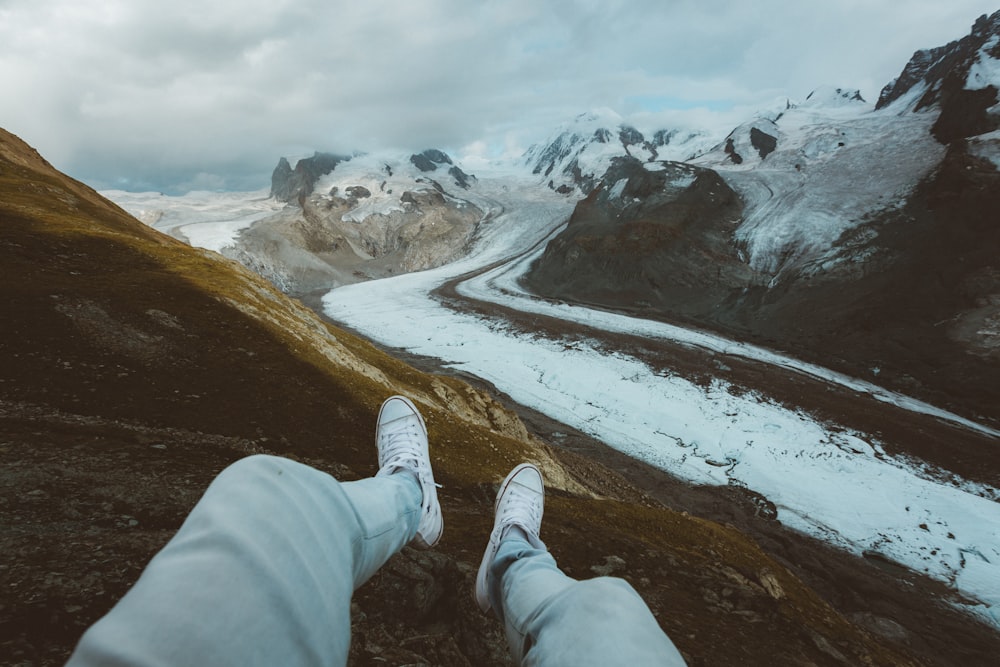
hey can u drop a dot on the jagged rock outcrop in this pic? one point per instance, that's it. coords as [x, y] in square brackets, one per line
[368, 217]
[577, 156]
[429, 161]
[869, 239]
[291, 185]
[959, 79]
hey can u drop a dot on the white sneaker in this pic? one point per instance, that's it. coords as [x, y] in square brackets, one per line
[520, 503]
[401, 437]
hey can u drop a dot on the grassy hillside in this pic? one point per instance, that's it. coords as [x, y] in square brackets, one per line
[133, 368]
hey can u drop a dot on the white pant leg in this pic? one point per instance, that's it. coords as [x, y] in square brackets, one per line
[552, 619]
[261, 572]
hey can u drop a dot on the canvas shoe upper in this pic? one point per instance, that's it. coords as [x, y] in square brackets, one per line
[401, 437]
[520, 502]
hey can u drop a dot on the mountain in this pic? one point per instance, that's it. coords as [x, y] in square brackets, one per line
[290, 185]
[133, 368]
[867, 238]
[642, 218]
[358, 217]
[574, 159]
[958, 80]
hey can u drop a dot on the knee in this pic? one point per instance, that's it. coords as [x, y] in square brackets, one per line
[256, 463]
[255, 467]
[601, 594]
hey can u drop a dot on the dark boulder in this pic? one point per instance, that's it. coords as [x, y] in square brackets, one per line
[763, 142]
[429, 159]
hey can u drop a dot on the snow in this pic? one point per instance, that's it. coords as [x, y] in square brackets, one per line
[987, 146]
[986, 70]
[617, 189]
[683, 182]
[829, 96]
[372, 171]
[826, 480]
[209, 220]
[833, 168]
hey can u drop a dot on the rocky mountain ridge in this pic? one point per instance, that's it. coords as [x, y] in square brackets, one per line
[579, 153]
[869, 235]
[359, 217]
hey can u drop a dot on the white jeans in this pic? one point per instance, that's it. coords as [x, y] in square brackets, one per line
[262, 572]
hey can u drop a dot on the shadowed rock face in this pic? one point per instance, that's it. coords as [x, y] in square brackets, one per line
[763, 142]
[645, 238]
[290, 185]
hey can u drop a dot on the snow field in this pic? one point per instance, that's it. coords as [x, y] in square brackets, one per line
[210, 220]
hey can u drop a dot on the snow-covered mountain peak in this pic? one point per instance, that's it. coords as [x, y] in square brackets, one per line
[579, 152]
[602, 117]
[378, 182]
[832, 97]
[985, 70]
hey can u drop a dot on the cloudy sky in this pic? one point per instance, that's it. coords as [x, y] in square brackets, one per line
[179, 94]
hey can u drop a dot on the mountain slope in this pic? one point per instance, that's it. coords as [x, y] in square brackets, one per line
[869, 238]
[577, 155]
[134, 368]
[355, 218]
[641, 218]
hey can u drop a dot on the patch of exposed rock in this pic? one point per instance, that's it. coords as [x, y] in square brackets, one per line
[429, 161]
[290, 185]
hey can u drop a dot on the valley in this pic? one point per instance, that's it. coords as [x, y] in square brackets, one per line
[793, 454]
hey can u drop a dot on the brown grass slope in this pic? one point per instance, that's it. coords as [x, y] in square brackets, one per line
[134, 368]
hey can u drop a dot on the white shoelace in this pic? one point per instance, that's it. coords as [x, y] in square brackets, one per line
[401, 449]
[517, 505]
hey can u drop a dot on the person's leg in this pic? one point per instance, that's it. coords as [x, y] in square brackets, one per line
[549, 617]
[261, 572]
[263, 569]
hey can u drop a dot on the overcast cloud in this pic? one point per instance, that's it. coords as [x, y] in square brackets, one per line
[179, 94]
